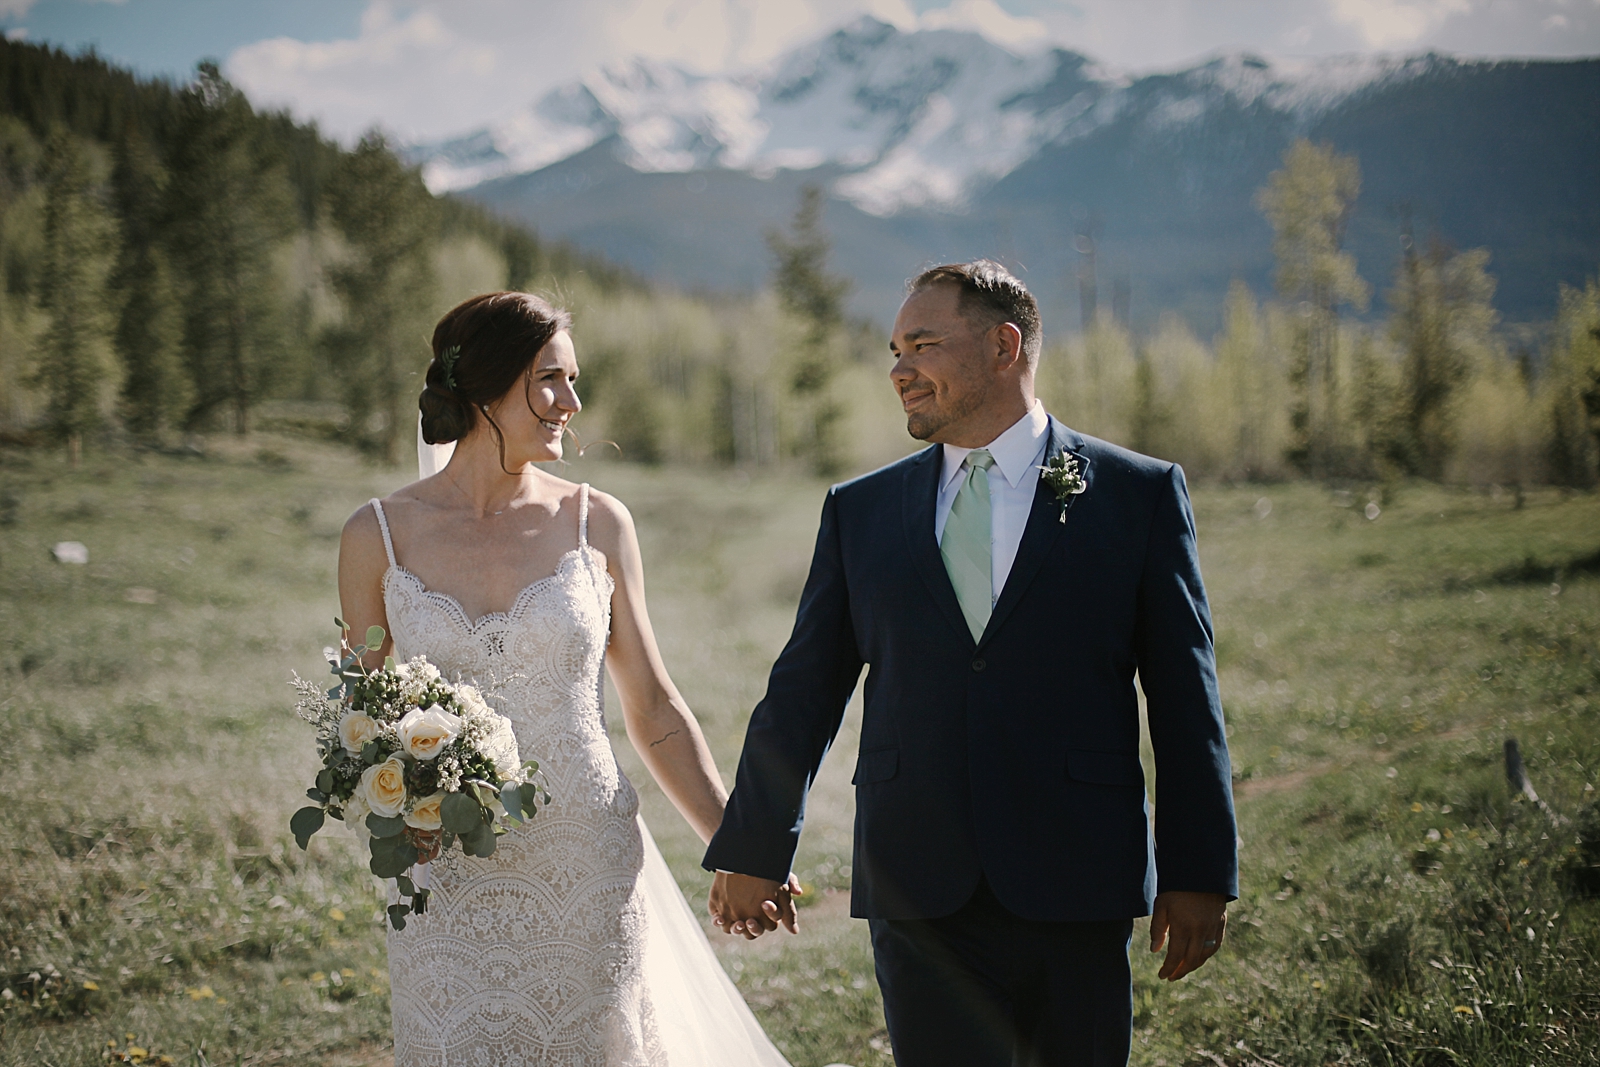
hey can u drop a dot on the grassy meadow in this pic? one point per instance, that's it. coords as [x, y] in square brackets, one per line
[1400, 905]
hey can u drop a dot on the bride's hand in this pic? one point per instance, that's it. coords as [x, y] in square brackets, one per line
[749, 906]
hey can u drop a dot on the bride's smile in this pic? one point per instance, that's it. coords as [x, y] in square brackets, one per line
[533, 420]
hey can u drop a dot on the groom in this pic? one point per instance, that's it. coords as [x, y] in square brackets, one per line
[1002, 845]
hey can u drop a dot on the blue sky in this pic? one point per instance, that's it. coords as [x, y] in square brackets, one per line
[169, 36]
[429, 68]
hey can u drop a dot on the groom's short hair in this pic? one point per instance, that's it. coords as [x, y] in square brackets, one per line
[991, 293]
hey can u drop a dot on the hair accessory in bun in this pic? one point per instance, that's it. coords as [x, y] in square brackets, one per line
[447, 362]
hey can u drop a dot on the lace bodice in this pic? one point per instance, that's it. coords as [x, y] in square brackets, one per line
[531, 956]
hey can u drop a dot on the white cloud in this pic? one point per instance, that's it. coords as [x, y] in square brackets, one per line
[429, 68]
[1387, 24]
[990, 19]
[15, 9]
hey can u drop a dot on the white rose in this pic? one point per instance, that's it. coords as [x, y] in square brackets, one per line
[472, 700]
[383, 787]
[355, 815]
[355, 730]
[500, 745]
[425, 815]
[424, 732]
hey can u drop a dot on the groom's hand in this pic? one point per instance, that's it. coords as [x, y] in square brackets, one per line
[750, 906]
[1192, 925]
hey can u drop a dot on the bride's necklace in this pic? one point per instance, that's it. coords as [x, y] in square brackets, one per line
[468, 496]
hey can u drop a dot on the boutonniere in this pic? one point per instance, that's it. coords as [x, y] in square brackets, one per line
[1062, 474]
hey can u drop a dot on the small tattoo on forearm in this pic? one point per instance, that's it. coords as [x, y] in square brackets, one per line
[656, 742]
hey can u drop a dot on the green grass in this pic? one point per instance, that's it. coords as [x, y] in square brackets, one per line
[1371, 671]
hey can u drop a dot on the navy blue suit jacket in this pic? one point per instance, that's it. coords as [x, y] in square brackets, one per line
[1015, 757]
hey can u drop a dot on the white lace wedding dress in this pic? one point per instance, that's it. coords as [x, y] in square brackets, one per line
[571, 946]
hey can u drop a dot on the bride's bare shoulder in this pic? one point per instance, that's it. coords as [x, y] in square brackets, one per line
[610, 522]
[361, 541]
[363, 527]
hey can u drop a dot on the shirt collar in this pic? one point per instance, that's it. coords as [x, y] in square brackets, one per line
[1014, 451]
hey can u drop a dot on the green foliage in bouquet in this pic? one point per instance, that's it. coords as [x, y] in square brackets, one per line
[414, 763]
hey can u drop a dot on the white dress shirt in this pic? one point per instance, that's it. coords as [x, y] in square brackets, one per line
[1018, 454]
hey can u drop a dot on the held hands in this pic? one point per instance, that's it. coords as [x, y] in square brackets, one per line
[1192, 925]
[750, 906]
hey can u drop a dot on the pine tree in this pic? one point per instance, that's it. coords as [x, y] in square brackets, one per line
[387, 288]
[1309, 203]
[230, 209]
[156, 391]
[75, 365]
[809, 293]
[1443, 321]
[21, 241]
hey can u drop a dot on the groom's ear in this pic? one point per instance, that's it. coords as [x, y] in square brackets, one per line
[1007, 339]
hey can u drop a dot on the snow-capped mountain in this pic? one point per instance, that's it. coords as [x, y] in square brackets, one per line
[918, 119]
[939, 144]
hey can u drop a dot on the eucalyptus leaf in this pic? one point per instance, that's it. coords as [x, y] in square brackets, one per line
[317, 795]
[325, 780]
[340, 623]
[511, 800]
[480, 842]
[370, 753]
[385, 826]
[460, 813]
[375, 636]
[388, 663]
[405, 885]
[391, 861]
[304, 823]
[397, 916]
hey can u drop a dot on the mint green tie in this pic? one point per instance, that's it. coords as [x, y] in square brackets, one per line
[968, 543]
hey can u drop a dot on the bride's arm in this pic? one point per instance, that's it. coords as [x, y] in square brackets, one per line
[362, 562]
[660, 725]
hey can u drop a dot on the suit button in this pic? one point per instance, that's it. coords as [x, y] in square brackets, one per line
[978, 664]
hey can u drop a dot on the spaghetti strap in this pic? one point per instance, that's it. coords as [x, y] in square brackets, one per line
[583, 515]
[383, 524]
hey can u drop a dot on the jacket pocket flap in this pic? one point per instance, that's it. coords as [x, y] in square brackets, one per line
[878, 765]
[1105, 768]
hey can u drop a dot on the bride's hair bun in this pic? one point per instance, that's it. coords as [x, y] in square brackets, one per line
[481, 348]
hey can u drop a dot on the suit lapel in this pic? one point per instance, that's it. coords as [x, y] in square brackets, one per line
[921, 488]
[1040, 534]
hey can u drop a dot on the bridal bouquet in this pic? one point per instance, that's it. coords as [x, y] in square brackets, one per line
[412, 763]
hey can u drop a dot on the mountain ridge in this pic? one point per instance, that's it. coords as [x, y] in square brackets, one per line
[938, 144]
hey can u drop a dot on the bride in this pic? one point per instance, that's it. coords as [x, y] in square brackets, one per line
[571, 946]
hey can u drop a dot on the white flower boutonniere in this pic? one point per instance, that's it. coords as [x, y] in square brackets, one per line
[1061, 473]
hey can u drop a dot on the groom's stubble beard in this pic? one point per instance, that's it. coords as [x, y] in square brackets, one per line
[923, 425]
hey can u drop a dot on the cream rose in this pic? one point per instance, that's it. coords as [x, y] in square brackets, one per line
[355, 730]
[425, 815]
[424, 732]
[383, 787]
